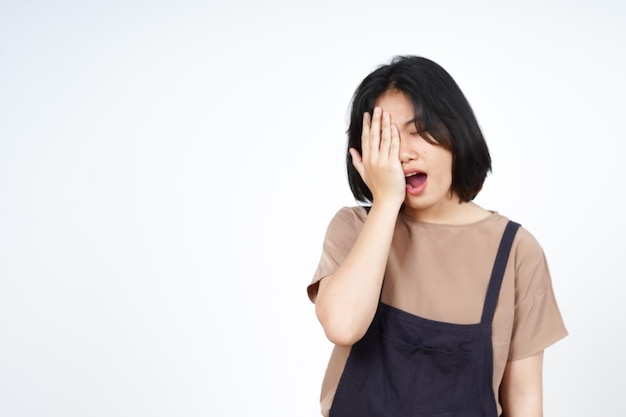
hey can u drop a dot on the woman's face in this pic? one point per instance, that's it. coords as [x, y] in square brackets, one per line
[427, 167]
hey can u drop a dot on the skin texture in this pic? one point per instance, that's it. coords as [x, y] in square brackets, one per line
[521, 390]
[347, 300]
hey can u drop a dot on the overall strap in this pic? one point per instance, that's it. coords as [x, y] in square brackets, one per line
[497, 273]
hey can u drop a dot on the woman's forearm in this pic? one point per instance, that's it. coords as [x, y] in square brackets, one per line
[347, 300]
[521, 391]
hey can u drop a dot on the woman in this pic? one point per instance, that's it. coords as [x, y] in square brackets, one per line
[435, 305]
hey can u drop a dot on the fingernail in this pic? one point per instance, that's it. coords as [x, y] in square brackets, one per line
[377, 111]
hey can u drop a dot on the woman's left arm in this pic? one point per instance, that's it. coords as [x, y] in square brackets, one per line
[521, 391]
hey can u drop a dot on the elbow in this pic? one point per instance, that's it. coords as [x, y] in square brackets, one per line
[340, 331]
[341, 337]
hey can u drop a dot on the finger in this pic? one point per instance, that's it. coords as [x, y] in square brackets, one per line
[374, 138]
[394, 145]
[385, 133]
[365, 138]
[357, 162]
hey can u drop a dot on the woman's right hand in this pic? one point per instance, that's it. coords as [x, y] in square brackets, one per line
[379, 165]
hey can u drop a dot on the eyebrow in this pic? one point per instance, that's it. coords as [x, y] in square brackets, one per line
[413, 121]
[417, 123]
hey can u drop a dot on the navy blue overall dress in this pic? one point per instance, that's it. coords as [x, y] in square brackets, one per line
[409, 366]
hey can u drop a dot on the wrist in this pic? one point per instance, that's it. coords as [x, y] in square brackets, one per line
[386, 206]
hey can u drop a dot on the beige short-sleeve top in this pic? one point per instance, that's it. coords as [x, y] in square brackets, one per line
[441, 272]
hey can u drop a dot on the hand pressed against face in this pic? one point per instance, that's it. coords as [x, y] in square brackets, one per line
[379, 164]
[427, 167]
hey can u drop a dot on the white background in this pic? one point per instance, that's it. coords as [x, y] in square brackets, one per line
[168, 170]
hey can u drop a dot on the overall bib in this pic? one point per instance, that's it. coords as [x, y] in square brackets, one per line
[409, 366]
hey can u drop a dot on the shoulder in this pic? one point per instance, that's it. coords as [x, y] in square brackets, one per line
[526, 247]
[349, 216]
[532, 273]
[525, 244]
[344, 227]
[527, 255]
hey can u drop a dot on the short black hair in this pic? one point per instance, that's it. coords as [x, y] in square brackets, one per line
[442, 114]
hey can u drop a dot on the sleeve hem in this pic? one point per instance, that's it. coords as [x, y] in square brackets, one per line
[312, 289]
[538, 349]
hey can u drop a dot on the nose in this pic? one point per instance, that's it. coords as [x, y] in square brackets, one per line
[405, 153]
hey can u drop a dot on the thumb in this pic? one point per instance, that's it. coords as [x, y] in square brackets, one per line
[357, 161]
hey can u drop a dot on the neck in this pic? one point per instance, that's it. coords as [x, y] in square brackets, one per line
[449, 212]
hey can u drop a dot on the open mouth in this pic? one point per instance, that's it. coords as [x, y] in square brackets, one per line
[415, 179]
